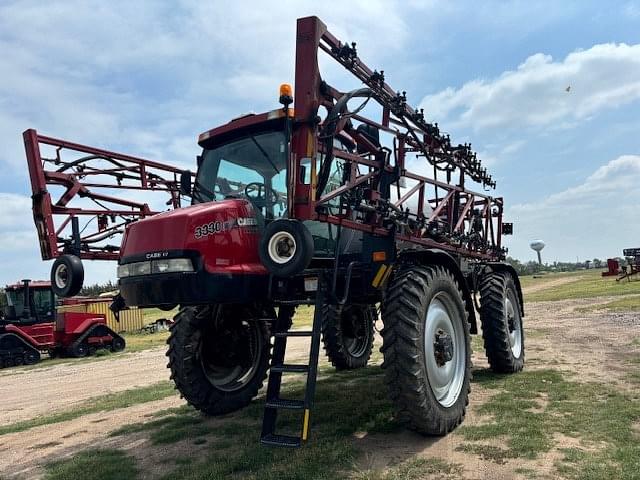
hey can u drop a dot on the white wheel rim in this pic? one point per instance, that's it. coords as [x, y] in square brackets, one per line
[446, 379]
[282, 247]
[515, 327]
[61, 276]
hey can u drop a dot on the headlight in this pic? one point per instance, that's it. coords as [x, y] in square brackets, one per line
[139, 268]
[172, 265]
[123, 271]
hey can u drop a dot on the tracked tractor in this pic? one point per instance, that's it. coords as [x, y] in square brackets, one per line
[349, 201]
[30, 324]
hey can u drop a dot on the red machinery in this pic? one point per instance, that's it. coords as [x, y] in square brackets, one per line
[327, 204]
[29, 325]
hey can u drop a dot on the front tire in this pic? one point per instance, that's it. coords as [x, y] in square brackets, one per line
[218, 356]
[347, 334]
[501, 318]
[427, 349]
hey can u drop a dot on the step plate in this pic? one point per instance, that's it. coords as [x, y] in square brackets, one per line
[274, 440]
[290, 368]
[286, 404]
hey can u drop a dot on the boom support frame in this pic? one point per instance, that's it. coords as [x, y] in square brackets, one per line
[459, 220]
[75, 169]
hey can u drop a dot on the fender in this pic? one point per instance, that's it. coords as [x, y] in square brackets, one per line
[434, 256]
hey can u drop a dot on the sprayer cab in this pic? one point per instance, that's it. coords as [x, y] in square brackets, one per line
[208, 252]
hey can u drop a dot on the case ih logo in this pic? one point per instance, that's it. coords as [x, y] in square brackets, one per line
[149, 256]
[212, 228]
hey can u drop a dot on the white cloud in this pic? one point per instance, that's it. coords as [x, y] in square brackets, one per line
[597, 218]
[14, 209]
[603, 77]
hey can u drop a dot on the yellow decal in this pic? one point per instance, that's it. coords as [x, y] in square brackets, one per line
[305, 426]
[378, 278]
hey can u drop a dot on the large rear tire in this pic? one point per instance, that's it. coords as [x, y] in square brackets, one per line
[427, 349]
[218, 356]
[501, 318]
[347, 334]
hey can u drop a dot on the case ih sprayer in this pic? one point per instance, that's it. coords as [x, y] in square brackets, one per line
[347, 201]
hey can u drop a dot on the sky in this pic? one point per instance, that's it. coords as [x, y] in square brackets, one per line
[147, 77]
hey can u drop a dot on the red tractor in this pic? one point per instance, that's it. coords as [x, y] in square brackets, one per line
[318, 204]
[29, 325]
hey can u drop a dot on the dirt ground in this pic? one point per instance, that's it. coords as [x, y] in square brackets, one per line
[592, 346]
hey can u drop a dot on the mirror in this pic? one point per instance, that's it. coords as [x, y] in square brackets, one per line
[185, 182]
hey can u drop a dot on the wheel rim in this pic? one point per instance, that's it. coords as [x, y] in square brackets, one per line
[515, 326]
[213, 347]
[354, 332]
[282, 247]
[445, 377]
[61, 276]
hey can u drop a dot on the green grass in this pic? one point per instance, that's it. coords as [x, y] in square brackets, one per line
[153, 314]
[232, 442]
[586, 284]
[628, 303]
[99, 464]
[303, 317]
[137, 342]
[593, 413]
[415, 469]
[103, 403]
[529, 280]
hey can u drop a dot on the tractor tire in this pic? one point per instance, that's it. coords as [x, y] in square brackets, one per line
[218, 356]
[79, 350]
[117, 344]
[427, 349]
[347, 334]
[502, 330]
[67, 276]
[286, 247]
[31, 357]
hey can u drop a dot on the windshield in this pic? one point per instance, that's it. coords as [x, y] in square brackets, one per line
[42, 303]
[252, 167]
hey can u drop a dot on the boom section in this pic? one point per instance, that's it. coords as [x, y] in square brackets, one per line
[79, 199]
[402, 176]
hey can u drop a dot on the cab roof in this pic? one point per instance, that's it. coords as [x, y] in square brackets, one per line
[32, 284]
[250, 122]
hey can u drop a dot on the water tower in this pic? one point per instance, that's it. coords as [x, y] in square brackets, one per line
[537, 245]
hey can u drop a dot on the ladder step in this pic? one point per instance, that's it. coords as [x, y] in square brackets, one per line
[286, 404]
[290, 368]
[295, 333]
[280, 440]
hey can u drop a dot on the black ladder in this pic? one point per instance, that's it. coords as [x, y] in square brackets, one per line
[274, 402]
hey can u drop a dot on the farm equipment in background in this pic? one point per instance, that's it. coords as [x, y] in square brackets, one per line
[628, 271]
[319, 204]
[30, 325]
[613, 268]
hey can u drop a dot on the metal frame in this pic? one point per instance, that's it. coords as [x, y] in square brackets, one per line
[460, 221]
[81, 178]
[455, 210]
